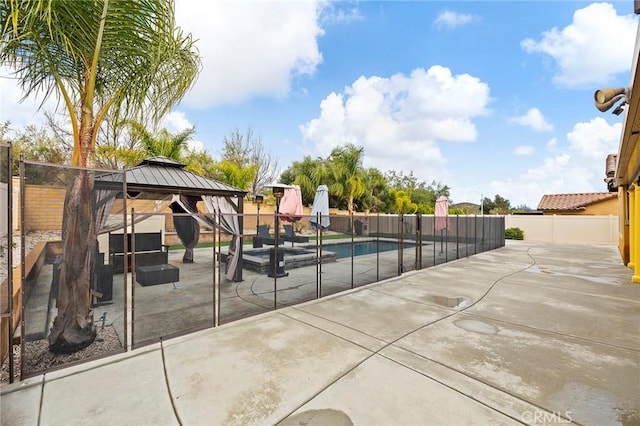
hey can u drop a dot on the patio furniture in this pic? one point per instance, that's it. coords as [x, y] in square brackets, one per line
[149, 250]
[263, 234]
[157, 274]
[290, 235]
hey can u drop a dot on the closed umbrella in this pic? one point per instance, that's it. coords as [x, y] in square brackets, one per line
[291, 204]
[442, 216]
[320, 206]
[442, 213]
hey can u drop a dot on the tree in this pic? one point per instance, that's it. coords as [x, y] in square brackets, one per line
[498, 205]
[377, 190]
[234, 175]
[502, 205]
[487, 205]
[107, 55]
[200, 162]
[522, 208]
[37, 144]
[308, 174]
[347, 174]
[403, 204]
[248, 150]
[422, 194]
[162, 143]
[115, 147]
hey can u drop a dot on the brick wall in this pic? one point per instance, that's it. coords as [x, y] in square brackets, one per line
[44, 209]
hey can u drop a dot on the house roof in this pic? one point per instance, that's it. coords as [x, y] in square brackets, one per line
[163, 175]
[573, 201]
[628, 167]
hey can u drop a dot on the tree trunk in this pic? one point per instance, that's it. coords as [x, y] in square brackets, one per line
[73, 328]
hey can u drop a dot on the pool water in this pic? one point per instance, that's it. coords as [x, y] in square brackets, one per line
[258, 260]
[360, 248]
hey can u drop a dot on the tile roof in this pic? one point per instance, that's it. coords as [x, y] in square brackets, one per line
[573, 201]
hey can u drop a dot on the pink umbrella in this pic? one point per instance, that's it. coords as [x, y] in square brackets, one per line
[442, 213]
[291, 204]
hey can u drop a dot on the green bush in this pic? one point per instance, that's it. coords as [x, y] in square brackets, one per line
[514, 234]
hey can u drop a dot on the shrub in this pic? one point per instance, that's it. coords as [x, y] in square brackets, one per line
[514, 234]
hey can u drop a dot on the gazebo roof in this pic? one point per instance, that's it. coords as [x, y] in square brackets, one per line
[162, 175]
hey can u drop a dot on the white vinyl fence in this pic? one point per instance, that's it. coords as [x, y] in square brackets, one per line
[573, 229]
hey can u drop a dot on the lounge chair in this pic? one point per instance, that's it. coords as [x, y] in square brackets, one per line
[290, 235]
[263, 234]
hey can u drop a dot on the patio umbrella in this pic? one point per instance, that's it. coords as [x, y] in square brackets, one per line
[291, 204]
[442, 213]
[321, 206]
[442, 216]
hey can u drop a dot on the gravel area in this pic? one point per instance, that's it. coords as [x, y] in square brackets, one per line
[38, 359]
[37, 356]
[31, 239]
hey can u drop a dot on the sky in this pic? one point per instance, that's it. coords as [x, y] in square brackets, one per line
[487, 97]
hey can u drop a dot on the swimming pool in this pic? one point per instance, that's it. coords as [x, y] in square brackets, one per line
[305, 255]
[360, 248]
[258, 260]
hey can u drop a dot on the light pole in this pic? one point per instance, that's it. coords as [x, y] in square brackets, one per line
[276, 255]
[278, 193]
[257, 239]
[259, 199]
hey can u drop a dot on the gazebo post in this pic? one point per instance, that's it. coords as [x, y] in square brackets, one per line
[237, 277]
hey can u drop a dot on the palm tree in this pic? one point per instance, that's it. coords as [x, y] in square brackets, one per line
[376, 189]
[162, 143]
[235, 175]
[345, 168]
[126, 57]
[308, 174]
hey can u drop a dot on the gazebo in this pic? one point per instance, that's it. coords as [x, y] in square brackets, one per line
[161, 178]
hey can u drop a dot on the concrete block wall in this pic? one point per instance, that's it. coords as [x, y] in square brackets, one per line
[44, 209]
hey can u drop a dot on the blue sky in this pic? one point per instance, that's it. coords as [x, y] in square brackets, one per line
[486, 97]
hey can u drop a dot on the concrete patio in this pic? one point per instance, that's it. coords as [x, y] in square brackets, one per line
[525, 334]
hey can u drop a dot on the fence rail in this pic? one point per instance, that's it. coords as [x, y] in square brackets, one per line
[149, 282]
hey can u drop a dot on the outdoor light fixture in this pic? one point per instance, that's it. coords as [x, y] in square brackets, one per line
[278, 191]
[276, 254]
[606, 98]
[258, 198]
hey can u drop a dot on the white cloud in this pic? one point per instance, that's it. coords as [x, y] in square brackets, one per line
[450, 19]
[22, 112]
[524, 150]
[177, 121]
[595, 140]
[552, 144]
[578, 168]
[534, 119]
[596, 46]
[250, 48]
[335, 13]
[399, 120]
